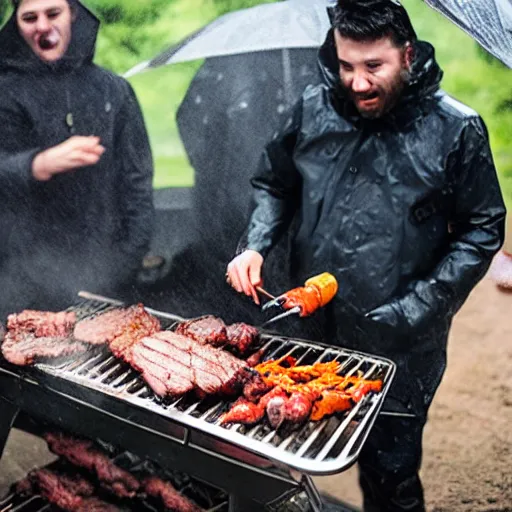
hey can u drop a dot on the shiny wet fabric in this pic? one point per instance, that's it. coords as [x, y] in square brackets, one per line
[406, 211]
[87, 228]
[389, 464]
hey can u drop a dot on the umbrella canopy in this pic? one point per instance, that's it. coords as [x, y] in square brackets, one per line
[489, 22]
[304, 23]
[289, 24]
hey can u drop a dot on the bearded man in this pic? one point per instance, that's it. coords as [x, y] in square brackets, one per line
[76, 196]
[394, 191]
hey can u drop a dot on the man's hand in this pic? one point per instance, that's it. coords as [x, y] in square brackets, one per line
[388, 314]
[244, 273]
[75, 152]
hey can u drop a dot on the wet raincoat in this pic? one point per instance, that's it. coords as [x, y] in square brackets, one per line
[405, 211]
[88, 228]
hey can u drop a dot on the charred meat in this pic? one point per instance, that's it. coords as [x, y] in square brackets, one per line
[118, 328]
[242, 337]
[84, 454]
[173, 365]
[168, 495]
[35, 335]
[41, 324]
[73, 494]
[207, 330]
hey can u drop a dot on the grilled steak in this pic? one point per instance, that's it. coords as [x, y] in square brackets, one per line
[31, 348]
[170, 497]
[42, 324]
[40, 334]
[111, 326]
[84, 454]
[64, 491]
[207, 330]
[176, 364]
[242, 337]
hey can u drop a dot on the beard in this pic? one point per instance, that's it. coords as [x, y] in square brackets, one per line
[388, 94]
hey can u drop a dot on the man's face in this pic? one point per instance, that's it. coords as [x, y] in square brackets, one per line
[46, 27]
[373, 73]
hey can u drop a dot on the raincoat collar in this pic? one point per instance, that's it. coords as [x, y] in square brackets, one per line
[15, 54]
[425, 80]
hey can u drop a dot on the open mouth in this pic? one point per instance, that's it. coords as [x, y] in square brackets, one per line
[48, 41]
[368, 97]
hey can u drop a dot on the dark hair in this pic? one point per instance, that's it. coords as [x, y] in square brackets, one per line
[16, 3]
[369, 20]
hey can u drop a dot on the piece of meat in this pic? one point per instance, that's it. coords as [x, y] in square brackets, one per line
[207, 330]
[255, 359]
[41, 324]
[170, 497]
[255, 387]
[294, 409]
[106, 327]
[298, 407]
[61, 490]
[243, 411]
[84, 454]
[163, 375]
[275, 410]
[330, 402]
[242, 337]
[25, 351]
[24, 487]
[96, 505]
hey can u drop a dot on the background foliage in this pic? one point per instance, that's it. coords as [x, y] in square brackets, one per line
[136, 30]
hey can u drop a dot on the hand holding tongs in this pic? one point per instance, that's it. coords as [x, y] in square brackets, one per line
[304, 300]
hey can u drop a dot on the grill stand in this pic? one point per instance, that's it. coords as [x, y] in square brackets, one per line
[8, 414]
[250, 488]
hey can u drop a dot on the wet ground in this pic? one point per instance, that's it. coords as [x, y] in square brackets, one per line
[468, 440]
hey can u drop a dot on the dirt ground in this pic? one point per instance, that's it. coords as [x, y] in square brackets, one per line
[467, 461]
[468, 439]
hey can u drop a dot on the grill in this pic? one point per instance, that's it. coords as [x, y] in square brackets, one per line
[190, 429]
[208, 498]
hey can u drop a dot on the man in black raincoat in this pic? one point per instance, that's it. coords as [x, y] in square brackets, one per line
[396, 194]
[76, 207]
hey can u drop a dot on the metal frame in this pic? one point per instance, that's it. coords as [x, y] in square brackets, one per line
[219, 456]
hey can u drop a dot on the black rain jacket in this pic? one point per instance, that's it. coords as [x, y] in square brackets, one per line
[405, 210]
[88, 228]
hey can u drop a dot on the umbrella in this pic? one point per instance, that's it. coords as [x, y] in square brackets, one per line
[489, 22]
[288, 24]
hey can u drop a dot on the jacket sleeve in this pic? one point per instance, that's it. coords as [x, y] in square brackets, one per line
[132, 146]
[17, 148]
[277, 186]
[477, 234]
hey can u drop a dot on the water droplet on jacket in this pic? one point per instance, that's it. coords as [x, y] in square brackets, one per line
[198, 100]
[280, 108]
[243, 104]
[108, 106]
[206, 120]
[220, 76]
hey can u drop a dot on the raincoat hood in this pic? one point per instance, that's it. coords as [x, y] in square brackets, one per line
[425, 77]
[15, 54]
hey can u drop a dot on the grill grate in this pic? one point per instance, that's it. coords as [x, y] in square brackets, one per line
[325, 447]
[205, 496]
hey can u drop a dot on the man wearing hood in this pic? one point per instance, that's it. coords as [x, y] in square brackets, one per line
[76, 207]
[395, 192]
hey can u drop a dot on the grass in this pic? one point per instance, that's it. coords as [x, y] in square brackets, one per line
[482, 84]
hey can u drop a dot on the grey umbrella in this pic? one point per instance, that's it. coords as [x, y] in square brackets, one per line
[487, 21]
[303, 24]
[280, 25]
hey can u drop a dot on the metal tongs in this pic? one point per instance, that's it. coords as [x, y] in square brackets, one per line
[304, 300]
[276, 302]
